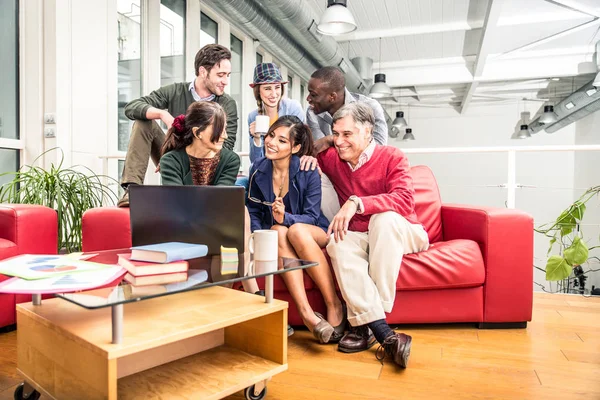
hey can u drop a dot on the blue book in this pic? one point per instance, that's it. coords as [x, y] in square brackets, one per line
[168, 252]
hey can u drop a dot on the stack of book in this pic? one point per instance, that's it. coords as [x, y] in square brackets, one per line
[161, 263]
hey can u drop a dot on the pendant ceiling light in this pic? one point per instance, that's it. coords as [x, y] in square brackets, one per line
[408, 135]
[548, 117]
[524, 132]
[380, 89]
[337, 19]
[399, 122]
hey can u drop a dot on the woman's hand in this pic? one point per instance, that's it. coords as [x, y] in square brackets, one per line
[255, 135]
[278, 210]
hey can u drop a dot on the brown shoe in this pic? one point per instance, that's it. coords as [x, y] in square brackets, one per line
[397, 346]
[359, 338]
[323, 330]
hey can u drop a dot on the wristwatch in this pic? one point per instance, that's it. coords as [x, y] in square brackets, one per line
[359, 204]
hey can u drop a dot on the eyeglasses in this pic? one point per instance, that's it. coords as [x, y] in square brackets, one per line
[254, 199]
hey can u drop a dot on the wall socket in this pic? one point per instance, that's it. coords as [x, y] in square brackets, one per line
[49, 132]
[49, 118]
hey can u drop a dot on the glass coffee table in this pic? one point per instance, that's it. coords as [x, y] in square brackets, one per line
[192, 339]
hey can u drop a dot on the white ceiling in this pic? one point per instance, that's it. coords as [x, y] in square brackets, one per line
[461, 52]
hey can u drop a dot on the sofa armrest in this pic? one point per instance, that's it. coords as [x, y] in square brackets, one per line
[505, 237]
[105, 228]
[33, 228]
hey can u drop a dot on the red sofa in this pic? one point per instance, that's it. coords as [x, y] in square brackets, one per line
[479, 267]
[24, 229]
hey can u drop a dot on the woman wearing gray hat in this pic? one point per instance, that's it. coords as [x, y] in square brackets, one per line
[269, 88]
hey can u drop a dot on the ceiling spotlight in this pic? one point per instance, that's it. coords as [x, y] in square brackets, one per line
[337, 19]
[592, 91]
[569, 105]
[399, 122]
[408, 135]
[548, 117]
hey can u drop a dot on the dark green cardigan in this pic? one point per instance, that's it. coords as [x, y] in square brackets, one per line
[176, 98]
[175, 168]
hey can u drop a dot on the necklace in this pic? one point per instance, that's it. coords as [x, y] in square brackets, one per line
[281, 185]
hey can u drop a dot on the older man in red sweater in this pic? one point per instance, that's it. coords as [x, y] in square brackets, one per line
[375, 226]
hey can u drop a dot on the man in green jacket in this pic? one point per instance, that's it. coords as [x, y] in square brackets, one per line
[213, 68]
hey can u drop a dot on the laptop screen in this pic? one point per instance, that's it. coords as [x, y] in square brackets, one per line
[209, 215]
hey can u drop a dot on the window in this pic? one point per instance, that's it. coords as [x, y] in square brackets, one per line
[235, 83]
[9, 82]
[9, 94]
[208, 30]
[259, 58]
[129, 63]
[302, 94]
[172, 41]
[290, 87]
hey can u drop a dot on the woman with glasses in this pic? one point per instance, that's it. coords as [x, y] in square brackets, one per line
[284, 198]
[193, 154]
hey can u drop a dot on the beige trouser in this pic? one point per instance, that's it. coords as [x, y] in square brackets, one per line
[147, 137]
[367, 264]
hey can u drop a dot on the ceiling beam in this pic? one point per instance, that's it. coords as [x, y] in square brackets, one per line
[468, 96]
[577, 6]
[586, 25]
[409, 30]
[489, 25]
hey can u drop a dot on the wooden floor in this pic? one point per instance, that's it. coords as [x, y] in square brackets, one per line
[556, 357]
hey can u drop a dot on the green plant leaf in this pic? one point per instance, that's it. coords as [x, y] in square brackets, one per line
[577, 253]
[566, 221]
[578, 210]
[557, 268]
[552, 241]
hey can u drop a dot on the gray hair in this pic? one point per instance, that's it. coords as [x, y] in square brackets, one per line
[360, 112]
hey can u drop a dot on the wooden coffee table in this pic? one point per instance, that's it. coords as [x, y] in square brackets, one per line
[205, 342]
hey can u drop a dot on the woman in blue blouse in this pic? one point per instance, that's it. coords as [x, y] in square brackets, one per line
[284, 198]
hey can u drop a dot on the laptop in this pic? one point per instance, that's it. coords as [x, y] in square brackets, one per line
[209, 215]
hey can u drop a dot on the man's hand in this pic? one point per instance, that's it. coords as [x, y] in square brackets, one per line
[166, 118]
[255, 135]
[308, 162]
[323, 144]
[278, 210]
[339, 223]
[157, 170]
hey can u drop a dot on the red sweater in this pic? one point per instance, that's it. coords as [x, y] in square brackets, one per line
[383, 184]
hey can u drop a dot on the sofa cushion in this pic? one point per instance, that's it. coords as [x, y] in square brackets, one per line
[428, 204]
[7, 249]
[105, 228]
[446, 265]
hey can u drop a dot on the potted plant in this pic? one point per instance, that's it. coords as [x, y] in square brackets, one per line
[70, 191]
[573, 251]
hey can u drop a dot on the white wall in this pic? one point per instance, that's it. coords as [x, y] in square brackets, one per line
[587, 174]
[465, 177]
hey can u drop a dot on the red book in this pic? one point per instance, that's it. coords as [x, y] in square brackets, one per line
[143, 268]
[160, 279]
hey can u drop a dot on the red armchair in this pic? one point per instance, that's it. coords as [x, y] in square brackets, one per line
[24, 229]
[479, 267]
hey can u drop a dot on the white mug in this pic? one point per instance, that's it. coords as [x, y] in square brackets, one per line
[262, 123]
[263, 245]
[262, 267]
